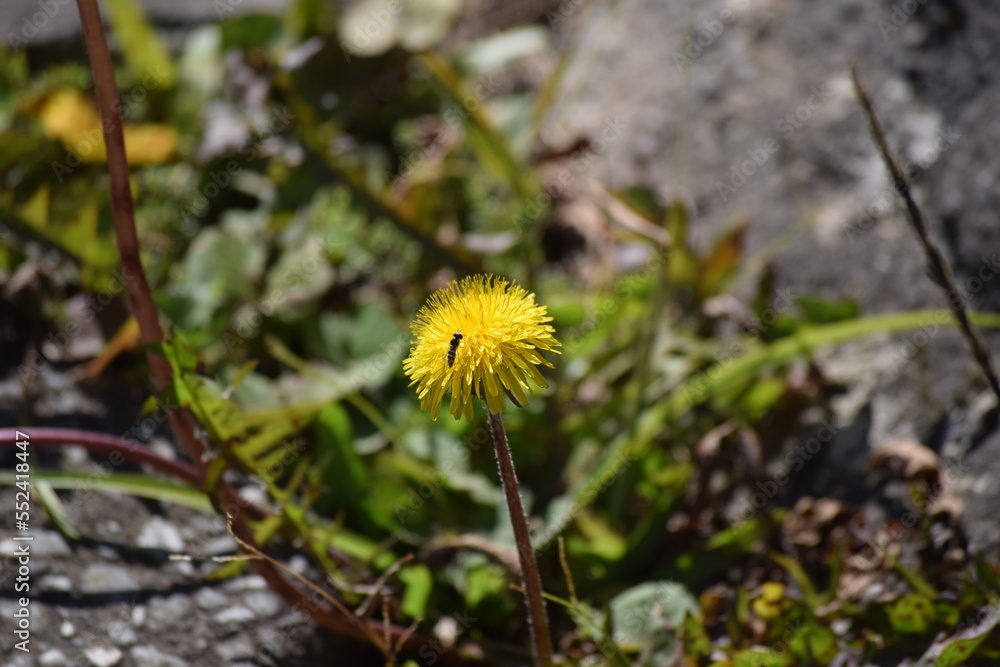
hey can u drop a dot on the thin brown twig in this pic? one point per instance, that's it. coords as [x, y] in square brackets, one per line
[566, 571]
[376, 588]
[365, 628]
[938, 266]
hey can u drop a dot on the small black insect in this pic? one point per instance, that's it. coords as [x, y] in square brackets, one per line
[453, 348]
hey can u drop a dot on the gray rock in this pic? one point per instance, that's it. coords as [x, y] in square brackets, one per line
[209, 598]
[158, 533]
[21, 659]
[55, 583]
[67, 629]
[53, 658]
[251, 582]
[150, 656]
[105, 578]
[167, 612]
[119, 632]
[103, 656]
[49, 544]
[263, 603]
[44, 544]
[233, 616]
[235, 649]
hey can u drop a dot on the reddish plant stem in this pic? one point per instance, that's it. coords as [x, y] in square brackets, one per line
[538, 620]
[144, 309]
[105, 444]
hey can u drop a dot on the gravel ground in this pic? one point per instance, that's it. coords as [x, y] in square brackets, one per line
[117, 599]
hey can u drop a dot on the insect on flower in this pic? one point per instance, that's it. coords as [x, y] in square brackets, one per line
[453, 348]
[503, 335]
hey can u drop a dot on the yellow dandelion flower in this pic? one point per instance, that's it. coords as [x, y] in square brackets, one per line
[480, 338]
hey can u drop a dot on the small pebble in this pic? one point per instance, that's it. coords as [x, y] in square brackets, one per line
[55, 583]
[66, 629]
[149, 656]
[103, 656]
[234, 649]
[167, 612]
[252, 582]
[209, 598]
[158, 533]
[104, 578]
[264, 603]
[53, 658]
[233, 615]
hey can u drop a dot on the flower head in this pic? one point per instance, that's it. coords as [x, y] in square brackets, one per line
[479, 338]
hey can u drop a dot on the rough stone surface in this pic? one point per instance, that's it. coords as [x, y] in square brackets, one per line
[164, 612]
[149, 656]
[679, 97]
[105, 578]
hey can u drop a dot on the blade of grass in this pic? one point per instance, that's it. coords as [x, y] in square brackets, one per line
[48, 499]
[721, 377]
[133, 484]
[485, 139]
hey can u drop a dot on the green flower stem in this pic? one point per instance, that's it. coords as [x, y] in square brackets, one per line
[538, 620]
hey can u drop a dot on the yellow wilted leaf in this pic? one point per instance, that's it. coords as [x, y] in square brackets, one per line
[72, 118]
[150, 143]
[68, 116]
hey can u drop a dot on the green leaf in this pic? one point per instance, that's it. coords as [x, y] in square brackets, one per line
[145, 53]
[963, 644]
[492, 148]
[820, 311]
[57, 512]
[911, 614]
[343, 471]
[133, 484]
[758, 658]
[648, 617]
[419, 583]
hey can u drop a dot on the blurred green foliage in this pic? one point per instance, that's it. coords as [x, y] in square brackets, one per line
[315, 193]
